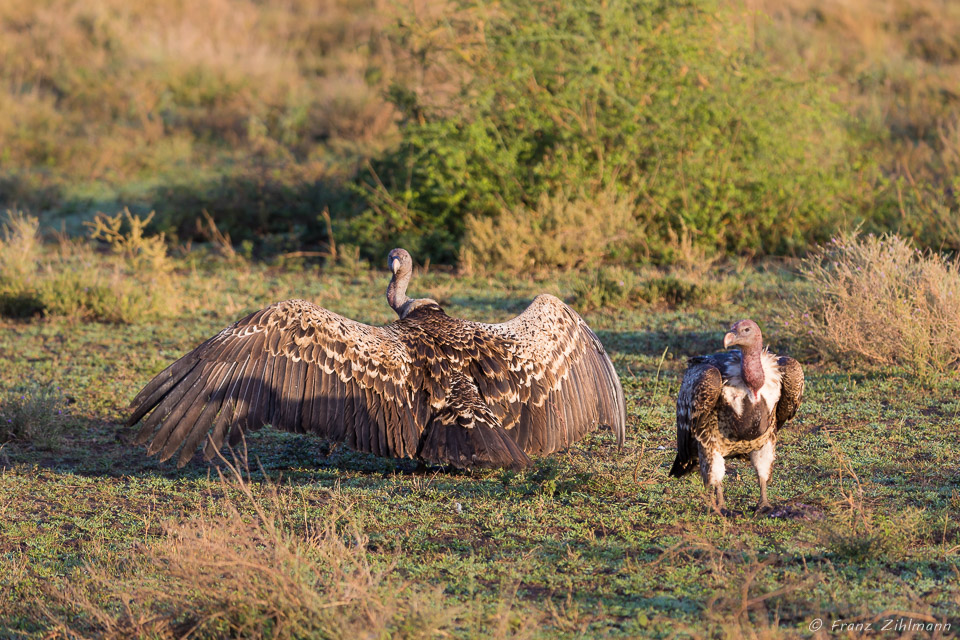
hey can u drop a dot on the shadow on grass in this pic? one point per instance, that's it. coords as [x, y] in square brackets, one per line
[275, 207]
[105, 449]
[653, 343]
[95, 448]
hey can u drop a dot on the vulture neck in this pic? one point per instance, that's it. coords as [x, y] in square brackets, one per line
[397, 291]
[752, 367]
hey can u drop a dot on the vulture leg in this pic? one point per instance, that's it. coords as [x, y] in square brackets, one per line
[712, 469]
[762, 460]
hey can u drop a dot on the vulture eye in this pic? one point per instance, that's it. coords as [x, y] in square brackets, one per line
[746, 329]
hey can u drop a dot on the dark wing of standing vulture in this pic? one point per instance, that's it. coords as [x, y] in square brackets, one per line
[791, 389]
[699, 392]
[296, 366]
[547, 377]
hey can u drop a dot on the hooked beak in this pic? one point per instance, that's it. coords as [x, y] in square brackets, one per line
[394, 264]
[729, 339]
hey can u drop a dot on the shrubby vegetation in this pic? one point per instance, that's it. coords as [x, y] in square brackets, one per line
[882, 300]
[467, 131]
[619, 287]
[558, 232]
[675, 114]
[133, 282]
[34, 413]
[255, 112]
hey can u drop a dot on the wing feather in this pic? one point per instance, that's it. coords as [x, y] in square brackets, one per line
[791, 389]
[301, 363]
[699, 392]
[465, 433]
[534, 367]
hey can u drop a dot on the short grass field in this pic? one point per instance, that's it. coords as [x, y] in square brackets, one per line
[308, 539]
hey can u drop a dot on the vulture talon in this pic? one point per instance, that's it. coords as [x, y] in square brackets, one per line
[764, 508]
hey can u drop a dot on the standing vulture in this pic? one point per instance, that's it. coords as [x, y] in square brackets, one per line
[733, 404]
[427, 386]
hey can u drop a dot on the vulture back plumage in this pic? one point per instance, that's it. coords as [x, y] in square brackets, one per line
[427, 386]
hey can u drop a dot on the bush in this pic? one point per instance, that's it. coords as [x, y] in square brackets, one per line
[613, 286]
[560, 232]
[879, 299]
[660, 101]
[34, 413]
[606, 287]
[678, 291]
[133, 282]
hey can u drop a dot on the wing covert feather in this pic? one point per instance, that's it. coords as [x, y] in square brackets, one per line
[545, 374]
[791, 389]
[699, 392]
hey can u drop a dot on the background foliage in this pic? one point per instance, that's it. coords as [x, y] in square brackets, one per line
[750, 128]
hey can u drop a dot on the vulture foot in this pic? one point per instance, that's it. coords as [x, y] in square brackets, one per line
[763, 508]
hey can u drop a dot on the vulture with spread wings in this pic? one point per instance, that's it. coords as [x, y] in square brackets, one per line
[428, 386]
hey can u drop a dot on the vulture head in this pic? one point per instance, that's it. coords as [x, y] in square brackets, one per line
[746, 335]
[400, 262]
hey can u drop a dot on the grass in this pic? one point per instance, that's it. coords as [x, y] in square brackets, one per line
[74, 279]
[34, 413]
[883, 301]
[233, 108]
[97, 540]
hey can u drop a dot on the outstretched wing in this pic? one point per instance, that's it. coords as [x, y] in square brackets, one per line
[699, 392]
[791, 389]
[293, 365]
[546, 376]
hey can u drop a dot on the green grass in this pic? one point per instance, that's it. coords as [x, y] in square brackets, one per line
[592, 542]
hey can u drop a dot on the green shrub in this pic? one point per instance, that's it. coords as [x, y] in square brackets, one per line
[661, 101]
[676, 291]
[34, 413]
[613, 286]
[605, 287]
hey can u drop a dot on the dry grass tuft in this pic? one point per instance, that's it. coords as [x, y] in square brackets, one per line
[34, 413]
[881, 300]
[136, 281]
[19, 248]
[561, 232]
[857, 532]
[262, 567]
[141, 253]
